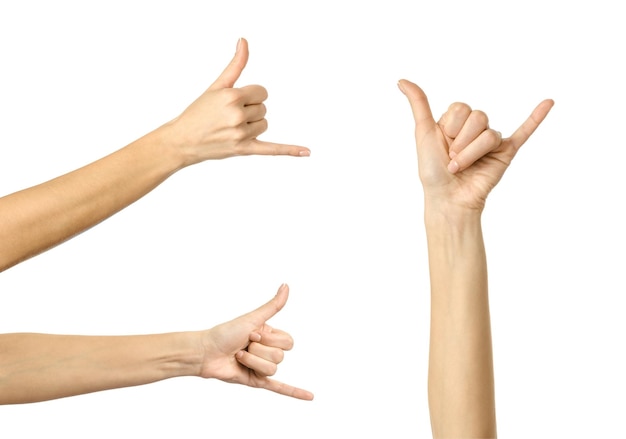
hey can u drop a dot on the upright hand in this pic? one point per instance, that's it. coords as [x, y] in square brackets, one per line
[226, 121]
[460, 158]
[247, 350]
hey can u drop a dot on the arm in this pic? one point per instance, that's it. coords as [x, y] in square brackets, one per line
[38, 367]
[223, 122]
[460, 161]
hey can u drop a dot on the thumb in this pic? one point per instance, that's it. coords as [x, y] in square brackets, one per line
[419, 105]
[233, 70]
[271, 308]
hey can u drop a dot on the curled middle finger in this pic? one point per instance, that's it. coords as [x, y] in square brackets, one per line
[475, 124]
[486, 142]
[275, 355]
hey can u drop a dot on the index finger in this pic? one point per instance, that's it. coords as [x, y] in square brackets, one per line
[253, 94]
[521, 135]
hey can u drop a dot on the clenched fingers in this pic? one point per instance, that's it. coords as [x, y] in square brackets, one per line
[259, 365]
[476, 123]
[488, 141]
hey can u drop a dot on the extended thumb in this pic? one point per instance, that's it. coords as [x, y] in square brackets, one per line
[418, 101]
[267, 311]
[233, 70]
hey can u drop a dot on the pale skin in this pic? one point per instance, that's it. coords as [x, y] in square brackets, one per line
[460, 160]
[246, 350]
[222, 122]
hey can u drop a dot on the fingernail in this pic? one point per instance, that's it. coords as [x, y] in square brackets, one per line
[400, 87]
[238, 45]
[255, 336]
[453, 166]
[452, 154]
[304, 153]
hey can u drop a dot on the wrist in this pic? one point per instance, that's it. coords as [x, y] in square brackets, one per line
[443, 212]
[164, 147]
[186, 354]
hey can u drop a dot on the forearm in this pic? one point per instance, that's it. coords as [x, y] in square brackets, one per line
[38, 367]
[36, 219]
[460, 381]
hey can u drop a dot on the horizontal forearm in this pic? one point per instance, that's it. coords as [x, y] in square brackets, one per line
[36, 219]
[38, 367]
[461, 389]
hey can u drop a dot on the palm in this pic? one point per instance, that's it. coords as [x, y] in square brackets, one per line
[247, 350]
[223, 343]
[484, 161]
[468, 188]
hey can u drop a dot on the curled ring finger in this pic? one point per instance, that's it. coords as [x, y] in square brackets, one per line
[254, 112]
[275, 355]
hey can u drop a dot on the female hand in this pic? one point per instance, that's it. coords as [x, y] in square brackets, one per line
[226, 121]
[247, 350]
[460, 158]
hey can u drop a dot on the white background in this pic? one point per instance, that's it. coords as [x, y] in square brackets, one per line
[79, 80]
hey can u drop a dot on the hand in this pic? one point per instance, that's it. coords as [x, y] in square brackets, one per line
[460, 158]
[247, 350]
[226, 121]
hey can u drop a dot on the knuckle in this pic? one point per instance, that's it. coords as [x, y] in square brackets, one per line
[240, 149]
[492, 136]
[236, 116]
[262, 92]
[278, 356]
[289, 343]
[480, 117]
[271, 370]
[239, 133]
[231, 95]
[459, 108]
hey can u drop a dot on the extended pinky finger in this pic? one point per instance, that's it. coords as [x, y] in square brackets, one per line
[521, 135]
[258, 147]
[286, 389]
